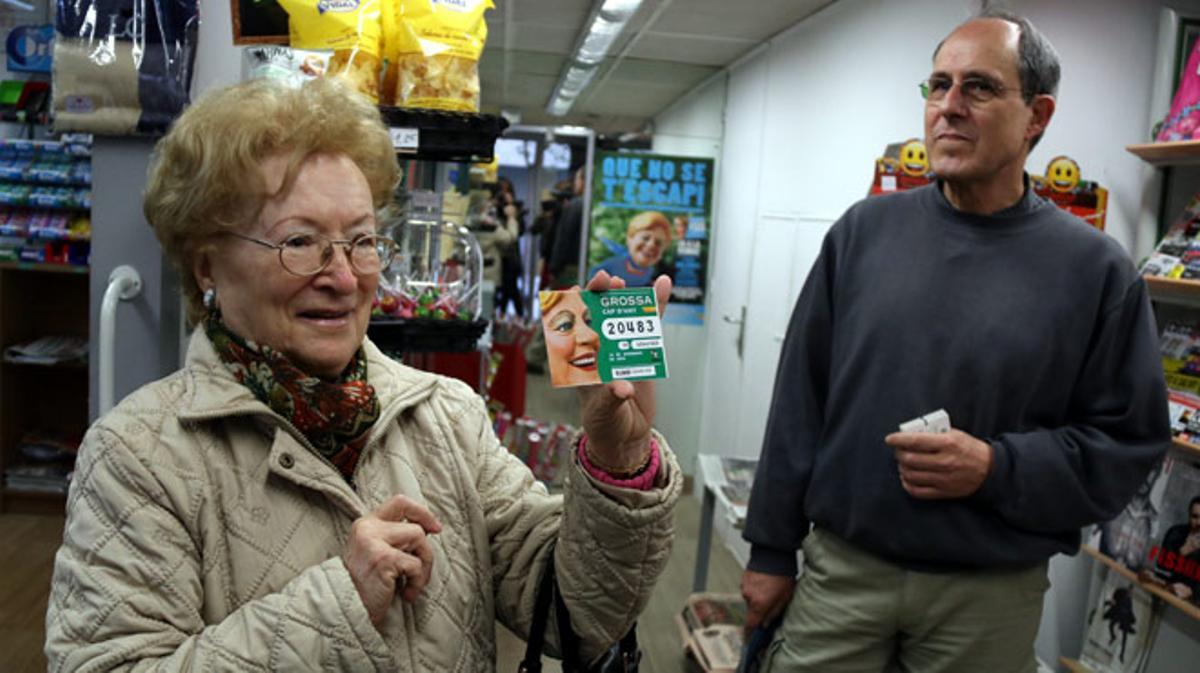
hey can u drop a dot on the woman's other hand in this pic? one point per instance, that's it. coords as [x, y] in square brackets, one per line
[617, 416]
[388, 550]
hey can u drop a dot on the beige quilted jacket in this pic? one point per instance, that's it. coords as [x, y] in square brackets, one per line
[202, 534]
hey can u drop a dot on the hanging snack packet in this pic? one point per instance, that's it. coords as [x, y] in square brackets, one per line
[433, 49]
[350, 28]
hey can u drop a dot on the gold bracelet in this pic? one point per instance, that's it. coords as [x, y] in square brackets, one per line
[615, 471]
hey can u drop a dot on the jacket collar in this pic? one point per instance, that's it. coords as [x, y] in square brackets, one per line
[212, 392]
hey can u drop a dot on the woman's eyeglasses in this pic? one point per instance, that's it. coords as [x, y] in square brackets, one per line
[310, 254]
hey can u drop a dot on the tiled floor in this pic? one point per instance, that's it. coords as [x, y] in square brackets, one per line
[28, 543]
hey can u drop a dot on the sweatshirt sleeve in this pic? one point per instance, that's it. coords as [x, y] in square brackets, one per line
[1059, 479]
[776, 522]
[127, 590]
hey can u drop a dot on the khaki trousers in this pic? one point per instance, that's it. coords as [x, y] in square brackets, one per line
[856, 613]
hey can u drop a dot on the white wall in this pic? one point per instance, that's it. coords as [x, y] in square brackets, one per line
[218, 62]
[691, 127]
[806, 118]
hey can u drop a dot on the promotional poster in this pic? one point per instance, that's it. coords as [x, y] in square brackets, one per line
[651, 215]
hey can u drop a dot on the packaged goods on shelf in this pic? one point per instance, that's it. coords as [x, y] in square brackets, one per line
[38, 478]
[48, 350]
[1121, 624]
[350, 37]
[544, 448]
[1177, 255]
[433, 52]
[122, 67]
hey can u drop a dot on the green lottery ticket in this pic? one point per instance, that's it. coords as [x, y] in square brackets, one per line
[597, 337]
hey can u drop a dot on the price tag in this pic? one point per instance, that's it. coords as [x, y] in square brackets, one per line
[404, 139]
[597, 337]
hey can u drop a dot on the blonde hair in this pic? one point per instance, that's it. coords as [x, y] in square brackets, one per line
[649, 219]
[206, 175]
[548, 300]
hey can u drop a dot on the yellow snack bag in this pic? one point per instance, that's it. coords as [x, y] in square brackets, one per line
[350, 28]
[433, 49]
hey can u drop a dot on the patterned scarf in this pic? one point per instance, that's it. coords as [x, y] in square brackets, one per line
[335, 416]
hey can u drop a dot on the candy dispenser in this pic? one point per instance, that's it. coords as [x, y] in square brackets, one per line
[429, 299]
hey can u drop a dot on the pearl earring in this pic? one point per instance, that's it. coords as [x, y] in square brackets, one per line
[210, 299]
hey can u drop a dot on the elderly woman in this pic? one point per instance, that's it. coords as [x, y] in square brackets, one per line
[646, 239]
[292, 499]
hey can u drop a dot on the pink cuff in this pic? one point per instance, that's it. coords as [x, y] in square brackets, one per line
[643, 481]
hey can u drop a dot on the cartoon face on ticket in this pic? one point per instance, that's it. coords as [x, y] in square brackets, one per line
[597, 337]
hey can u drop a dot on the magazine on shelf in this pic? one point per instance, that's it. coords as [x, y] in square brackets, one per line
[1127, 538]
[1178, 253]
[711, 628]
[1121, 622]
[1173, 559]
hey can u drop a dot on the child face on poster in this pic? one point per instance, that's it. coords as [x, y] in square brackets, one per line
[647, 238]
[571, 343]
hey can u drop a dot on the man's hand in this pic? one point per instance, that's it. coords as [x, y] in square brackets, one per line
[940, 465]
[767, 596]
[617, 416]
[387, 546]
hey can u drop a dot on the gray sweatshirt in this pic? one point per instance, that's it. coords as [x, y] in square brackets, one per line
[1031, 328]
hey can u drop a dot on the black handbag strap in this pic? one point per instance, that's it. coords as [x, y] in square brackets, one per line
[627, 650]
[541, 613]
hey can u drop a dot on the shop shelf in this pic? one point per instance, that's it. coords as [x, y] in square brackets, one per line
[53, 268]
[1174, 290]
[442, 135]
[80, 365]
[425, 335]
[1177, 153]
[16, 501]
[1183, 606]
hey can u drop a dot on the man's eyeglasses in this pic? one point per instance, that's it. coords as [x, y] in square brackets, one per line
[310, 254]
[974, 89]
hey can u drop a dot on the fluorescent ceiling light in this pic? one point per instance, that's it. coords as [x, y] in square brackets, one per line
[608, 19]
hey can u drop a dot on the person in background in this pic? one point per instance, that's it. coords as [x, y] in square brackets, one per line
[551, 207]
[496, 229]
[647, 237]
[564, 258]
[1032, 329]
[513, 214]
[292, 499]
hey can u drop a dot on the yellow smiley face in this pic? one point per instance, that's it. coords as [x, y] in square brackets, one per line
[1062, 174]
[914, 160]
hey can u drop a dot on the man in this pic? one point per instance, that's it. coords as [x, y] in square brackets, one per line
[1032, 329]
[564, 258]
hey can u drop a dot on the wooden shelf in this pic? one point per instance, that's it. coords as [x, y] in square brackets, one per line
[1186, 446]
[1186, 607]
[53, 268]
[1177, 153]
[1073, 665]
[1173, 290]
[32, 502]
[82, 365]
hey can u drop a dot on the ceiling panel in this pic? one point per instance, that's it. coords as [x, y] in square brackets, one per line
[757, 20]
[668, 48]
[695, 49]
